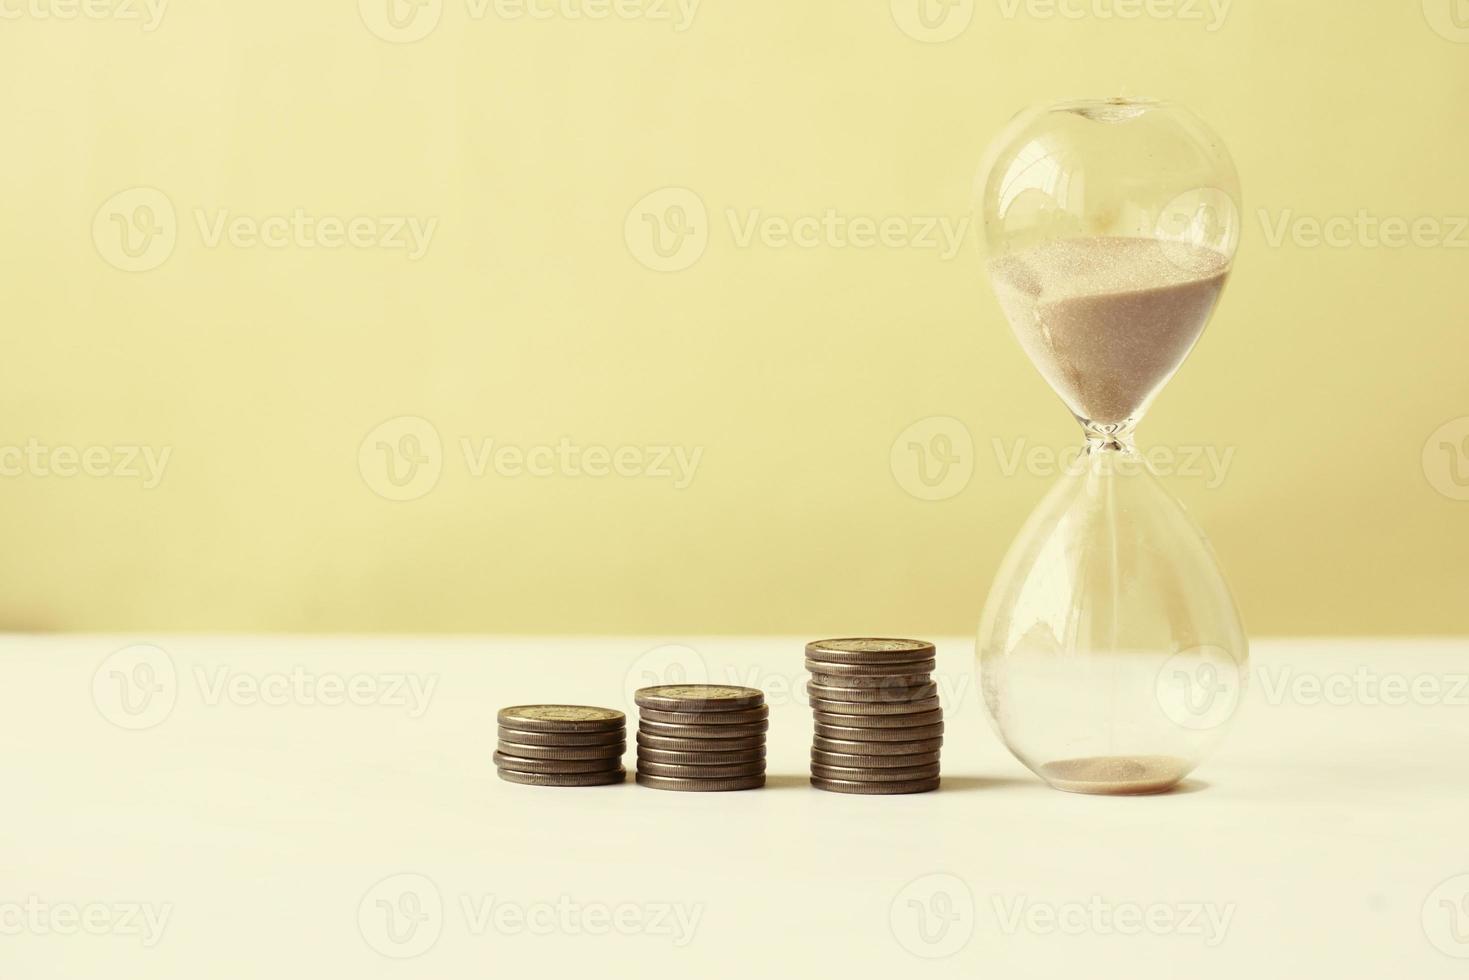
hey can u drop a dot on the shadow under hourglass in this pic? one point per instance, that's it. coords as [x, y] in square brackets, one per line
[1183, 788]
[1188, 786]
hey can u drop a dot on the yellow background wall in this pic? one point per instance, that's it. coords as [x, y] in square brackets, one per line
[537, 312]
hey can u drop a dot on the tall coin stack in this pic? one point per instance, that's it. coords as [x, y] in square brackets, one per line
[701, 738]
[879, 726]
[561, 745]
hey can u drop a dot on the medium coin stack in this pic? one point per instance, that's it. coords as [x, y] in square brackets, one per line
[701, 738]
[561, 745]
[879, 726]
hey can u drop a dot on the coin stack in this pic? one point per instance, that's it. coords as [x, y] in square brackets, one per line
[701, 737]
[561, 745]
[879, 726]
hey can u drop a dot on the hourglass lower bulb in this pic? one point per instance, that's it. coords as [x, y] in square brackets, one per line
[1111, 653]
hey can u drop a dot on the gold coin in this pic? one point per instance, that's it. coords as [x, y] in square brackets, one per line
[869, 650]
[698, 697]
[875, 789]
[563, 779]
[701, 785]
[561, 718]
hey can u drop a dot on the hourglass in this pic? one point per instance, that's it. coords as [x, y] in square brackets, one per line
[1111, 653]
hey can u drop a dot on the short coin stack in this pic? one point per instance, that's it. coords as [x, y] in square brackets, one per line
[879, 726]
[561, 745]
[701, 737]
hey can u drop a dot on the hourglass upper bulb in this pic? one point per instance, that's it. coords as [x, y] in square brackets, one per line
[1110, 227]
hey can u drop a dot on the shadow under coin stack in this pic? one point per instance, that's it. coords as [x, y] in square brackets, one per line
[561, 745]
[701, 738]
[879, 726]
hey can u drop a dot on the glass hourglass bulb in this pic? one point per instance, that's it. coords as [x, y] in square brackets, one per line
[1111, 653]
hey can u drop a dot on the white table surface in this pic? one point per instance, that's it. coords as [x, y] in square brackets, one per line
[257, 835]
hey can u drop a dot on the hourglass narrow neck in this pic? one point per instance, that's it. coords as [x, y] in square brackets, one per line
[1109, 437]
